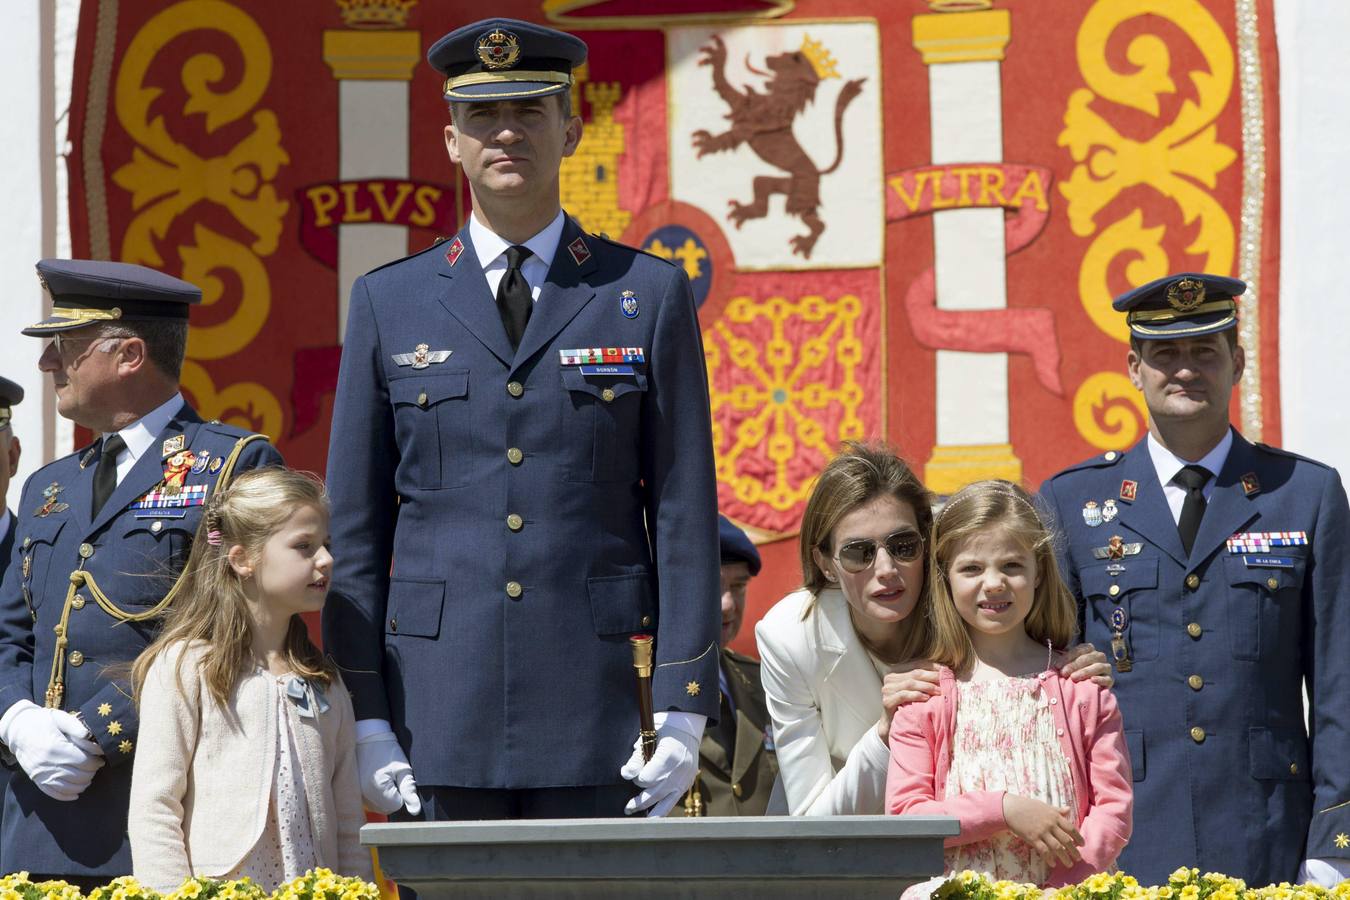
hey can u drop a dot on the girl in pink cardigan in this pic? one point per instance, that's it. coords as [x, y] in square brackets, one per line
[246, 763]
[1032, 764]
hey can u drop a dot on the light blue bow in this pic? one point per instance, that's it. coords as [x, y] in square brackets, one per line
[308, 698]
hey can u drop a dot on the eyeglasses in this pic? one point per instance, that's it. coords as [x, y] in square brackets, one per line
[858, 556]
[4, 419]
[62, 344]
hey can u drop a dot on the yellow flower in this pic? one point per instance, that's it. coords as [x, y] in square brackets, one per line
[1190, 892]
[1098, 884]
[1165, 893]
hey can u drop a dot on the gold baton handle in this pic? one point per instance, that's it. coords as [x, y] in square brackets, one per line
[642, 665]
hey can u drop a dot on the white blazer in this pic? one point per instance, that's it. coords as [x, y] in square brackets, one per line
[824, 696]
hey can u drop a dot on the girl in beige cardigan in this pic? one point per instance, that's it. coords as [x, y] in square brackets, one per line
[246, 758]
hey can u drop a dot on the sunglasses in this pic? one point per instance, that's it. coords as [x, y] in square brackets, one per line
[858, 556]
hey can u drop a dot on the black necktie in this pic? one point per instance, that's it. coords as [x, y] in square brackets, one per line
[1193, 479]
[105, 476]
[513, 295]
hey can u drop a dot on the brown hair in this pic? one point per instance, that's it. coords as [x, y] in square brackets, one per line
[980, 507]
[861, 473]
[210, 607]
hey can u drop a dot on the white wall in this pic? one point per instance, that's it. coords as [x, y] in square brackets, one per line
[1314, 302]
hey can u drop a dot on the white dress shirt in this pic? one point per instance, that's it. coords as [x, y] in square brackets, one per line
[491, 250]
[1167, 464]
[140, 435]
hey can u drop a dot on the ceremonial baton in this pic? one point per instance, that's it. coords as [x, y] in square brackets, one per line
[642, 662]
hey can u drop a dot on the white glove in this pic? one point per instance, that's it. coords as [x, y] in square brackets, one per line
[1327, 872]
[673, 765]
[53, 747]
[386, 778]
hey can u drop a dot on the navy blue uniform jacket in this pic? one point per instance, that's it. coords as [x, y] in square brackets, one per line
[133, 556]
[502, 522]
[1227, 778]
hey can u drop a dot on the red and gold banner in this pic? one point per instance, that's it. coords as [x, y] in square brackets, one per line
[902, 220]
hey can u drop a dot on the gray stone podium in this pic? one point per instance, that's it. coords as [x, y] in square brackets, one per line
[658, 859]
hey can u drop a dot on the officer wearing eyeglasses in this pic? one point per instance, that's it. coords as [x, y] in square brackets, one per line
[841, 654]
[100, 535]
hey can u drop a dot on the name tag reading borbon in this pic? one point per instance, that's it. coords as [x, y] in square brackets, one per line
[606, 370]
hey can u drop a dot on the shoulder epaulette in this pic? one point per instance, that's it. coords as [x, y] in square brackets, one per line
[233, 432]
[1100, 461]
[601, 236]
[742, 658]
[393, 262]
[1280, 451]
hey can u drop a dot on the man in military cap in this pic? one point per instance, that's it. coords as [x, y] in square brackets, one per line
[100, 535]
[522, 478]
[737, 764]
[1215, 569]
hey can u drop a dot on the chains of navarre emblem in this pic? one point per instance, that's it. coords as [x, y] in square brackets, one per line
[1186, 294]
[498, 49]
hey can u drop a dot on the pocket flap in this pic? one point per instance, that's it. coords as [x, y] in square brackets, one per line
[621, 604]
[415, 606]
[1139, 573]
[1134, 743]
[42, 530]
[1279, 754]
[595, 385]
[428, 390]
[1272, 577]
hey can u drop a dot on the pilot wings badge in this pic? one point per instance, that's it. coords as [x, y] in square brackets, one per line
[421, 357]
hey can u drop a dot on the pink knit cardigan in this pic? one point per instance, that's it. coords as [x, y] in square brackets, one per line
[1088, 723]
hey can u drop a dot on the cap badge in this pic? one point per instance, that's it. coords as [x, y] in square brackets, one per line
[628, 304]
[421, 357]
[1092, 514]
[498, 49]
[1186, 294]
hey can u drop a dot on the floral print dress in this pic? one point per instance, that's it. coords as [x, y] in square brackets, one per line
[1005, 740]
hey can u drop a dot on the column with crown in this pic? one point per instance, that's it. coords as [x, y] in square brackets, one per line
[373, 60]
[963, 42]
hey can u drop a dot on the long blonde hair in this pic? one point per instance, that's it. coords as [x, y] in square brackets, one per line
[861, 473]
[979, 507]
[211, 606]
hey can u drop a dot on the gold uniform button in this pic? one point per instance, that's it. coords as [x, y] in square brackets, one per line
[736, 788]
[27, 542]
[78, 602]
[1293, 768]
[607, 394]
[1196, 682]
[515, 522]
[422, 399]
[646, 620]
[514, 456]
[1272, 583]
[1198, 734]
[1192, 581]
[513, 589]
[156, 526]
[1111, 455]
[1113, 590]
[86, 551]
[76, 658]
[1194, 629]
[393, 624]
[515, 388]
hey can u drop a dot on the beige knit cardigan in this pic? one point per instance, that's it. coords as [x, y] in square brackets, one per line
[202, 778]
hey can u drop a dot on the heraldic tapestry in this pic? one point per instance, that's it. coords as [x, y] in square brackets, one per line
[901, 219]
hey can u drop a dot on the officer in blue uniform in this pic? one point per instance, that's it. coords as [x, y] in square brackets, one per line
[521, 473]
[1215, 570]
[101, 535]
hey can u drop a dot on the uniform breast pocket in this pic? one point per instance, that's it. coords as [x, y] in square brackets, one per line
[602, 420]
[1263, 604]
[1134, 590]
[431, 426]
[35, 561]
[153, 550]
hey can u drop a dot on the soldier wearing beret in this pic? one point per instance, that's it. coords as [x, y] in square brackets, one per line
[522, 478]
[1215, 570]
[737, 765]
[100, 536]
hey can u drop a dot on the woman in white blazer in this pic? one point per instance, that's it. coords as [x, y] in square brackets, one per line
[840, 654]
